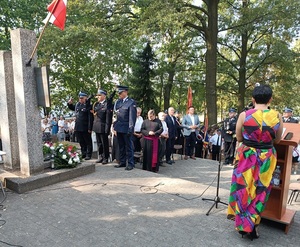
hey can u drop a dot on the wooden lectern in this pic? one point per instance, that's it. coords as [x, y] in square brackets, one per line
[276, 206]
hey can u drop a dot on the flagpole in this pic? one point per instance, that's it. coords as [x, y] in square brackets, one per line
[28, 64]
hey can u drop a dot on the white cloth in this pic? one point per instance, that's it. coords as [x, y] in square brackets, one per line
[138, 124]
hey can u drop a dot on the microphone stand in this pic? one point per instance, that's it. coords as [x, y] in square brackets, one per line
[217, 199]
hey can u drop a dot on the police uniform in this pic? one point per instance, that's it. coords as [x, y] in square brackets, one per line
[289, 119]
[102, 122]
[83, 126]
[228, 134]
[125, 110]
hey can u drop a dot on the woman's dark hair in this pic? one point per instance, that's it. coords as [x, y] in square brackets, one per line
[262, 94]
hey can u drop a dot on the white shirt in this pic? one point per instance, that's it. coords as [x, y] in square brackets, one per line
[214, 139]
[138, 124]
[193, 122]
[46, 127]
[61, 124]
[165, 128]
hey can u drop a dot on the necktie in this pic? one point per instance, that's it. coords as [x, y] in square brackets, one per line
[218, 141]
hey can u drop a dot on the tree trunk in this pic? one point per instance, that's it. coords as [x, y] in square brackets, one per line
[211, 61]
[242, 68]
[168, 87]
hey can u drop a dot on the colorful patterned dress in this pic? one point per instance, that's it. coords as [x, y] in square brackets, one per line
[252, 176]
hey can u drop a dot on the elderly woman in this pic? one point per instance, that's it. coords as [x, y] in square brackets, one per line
[257, 129]
[151, 130]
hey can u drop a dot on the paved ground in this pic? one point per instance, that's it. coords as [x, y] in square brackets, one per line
[114, 207]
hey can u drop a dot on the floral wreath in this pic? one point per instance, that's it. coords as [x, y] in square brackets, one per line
[64, 154]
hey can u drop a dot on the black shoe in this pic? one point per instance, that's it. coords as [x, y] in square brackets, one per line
[243, 233]
[104, 162]
[128, 168]
[99, 161]
[169, 162]
[254, 234]
[87, 158]
[119, 166]
[172, 161]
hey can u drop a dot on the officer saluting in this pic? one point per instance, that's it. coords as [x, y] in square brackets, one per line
[83, 124]
[125, 109]
[102, 110]
[287, 116]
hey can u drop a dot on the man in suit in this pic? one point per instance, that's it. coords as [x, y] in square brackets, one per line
[125, 109]
[228, 134]
[102, 110]
[172, 125]
[287, 116]
[190, 123]
[83, 124]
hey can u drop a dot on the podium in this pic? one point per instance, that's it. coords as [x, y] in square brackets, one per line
[276, 208]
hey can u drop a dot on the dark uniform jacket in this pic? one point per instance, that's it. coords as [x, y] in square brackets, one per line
[229, 125]
[290, 120]
[126, 116]
[102, 117]
[84, 118]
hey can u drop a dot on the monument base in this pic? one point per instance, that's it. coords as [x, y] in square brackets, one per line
[21, 184]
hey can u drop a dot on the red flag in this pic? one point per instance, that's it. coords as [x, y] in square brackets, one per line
[189, 98]
[58, 12]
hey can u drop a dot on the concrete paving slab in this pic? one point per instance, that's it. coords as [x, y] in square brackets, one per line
[114, 207]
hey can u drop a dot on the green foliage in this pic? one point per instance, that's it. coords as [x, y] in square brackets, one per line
[141, 83]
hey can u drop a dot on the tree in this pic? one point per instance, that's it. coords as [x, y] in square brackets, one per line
[207, 18]
[141, 83]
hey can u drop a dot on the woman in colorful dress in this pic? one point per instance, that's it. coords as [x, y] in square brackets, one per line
[257, 129]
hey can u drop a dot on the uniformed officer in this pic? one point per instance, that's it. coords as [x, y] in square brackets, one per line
[287, 116]
[83, 124]
[125, 109]
[228, 134]
[103, 111]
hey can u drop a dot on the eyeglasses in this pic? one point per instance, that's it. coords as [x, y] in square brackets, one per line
[81, 97]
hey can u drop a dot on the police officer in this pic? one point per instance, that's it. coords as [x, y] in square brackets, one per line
[228, 134]
[125, 109]
[103, 111]
[83, 124]
[287, 116]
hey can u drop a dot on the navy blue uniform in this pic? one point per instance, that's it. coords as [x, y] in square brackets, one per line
[83, 127]
[124, 126]
[229, 139]
[102, 123]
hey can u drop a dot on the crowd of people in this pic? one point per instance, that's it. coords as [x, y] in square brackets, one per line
[58, 130]
[121, 132]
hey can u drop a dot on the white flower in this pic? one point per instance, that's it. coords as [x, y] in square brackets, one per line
[64, 156]
[52, 148]
[47, 144]
[60, 144]
[70, 161]
[61, 150]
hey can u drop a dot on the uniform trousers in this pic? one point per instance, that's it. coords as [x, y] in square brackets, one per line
[103, 145]
[85, 140]
[126, 151]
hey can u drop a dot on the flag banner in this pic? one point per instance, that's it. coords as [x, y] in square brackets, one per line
[58, 12]
[189, 98]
